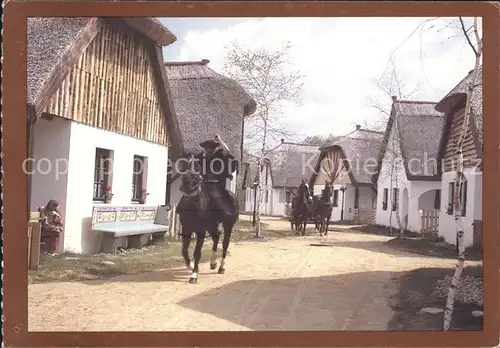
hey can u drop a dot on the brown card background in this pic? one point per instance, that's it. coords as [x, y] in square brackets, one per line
[15, 188]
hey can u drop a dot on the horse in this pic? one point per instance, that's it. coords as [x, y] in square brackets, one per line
[301, 210]
[324, 209]
[197, 215]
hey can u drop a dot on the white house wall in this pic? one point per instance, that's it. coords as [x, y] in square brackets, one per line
[447, 225]
[422, 195]
[278, 204]
[392, 169]
[49, 177]
[83, 143]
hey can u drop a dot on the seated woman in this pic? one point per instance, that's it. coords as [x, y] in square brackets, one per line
[52, 227]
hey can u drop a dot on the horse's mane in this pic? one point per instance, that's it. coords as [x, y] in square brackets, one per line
[190, 181]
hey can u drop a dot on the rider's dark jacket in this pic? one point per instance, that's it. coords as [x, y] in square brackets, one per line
[215, 169]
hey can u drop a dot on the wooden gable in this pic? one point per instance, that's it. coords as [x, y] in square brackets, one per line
[332, 162]
[452, 132]
[114, 86]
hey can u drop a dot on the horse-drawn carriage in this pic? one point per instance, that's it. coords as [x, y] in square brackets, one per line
[306, 208]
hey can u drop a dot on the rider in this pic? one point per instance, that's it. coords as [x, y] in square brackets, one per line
[217, 165]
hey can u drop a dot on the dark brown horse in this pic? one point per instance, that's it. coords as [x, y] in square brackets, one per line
[324, 209]
[198, 215]
[302, 207]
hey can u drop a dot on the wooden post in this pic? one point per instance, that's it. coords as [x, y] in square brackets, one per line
[34, 236]
[171, 229]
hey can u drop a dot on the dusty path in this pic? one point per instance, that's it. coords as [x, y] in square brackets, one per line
[278, 285]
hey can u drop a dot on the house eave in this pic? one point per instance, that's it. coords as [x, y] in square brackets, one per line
[436, 177]
[449, 102]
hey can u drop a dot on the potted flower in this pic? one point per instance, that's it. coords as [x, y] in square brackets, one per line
[144, 194]
[107, 195]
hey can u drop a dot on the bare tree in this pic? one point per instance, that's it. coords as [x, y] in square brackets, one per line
[476, 44]
[269, 78]
[392, 86]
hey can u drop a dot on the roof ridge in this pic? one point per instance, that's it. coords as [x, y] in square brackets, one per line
[298, 144]
[187, 62]
[370, 130]
[404, 101]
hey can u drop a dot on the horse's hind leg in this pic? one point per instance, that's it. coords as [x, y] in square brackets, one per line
[215, 242]
[304, 226]
[327, 223]
[225, 245]
[200, 238]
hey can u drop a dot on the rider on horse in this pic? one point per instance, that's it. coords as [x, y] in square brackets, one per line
[217, 165]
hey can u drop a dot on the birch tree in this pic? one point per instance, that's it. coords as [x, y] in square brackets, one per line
[476, 44]
[392, 86]
[267, 75]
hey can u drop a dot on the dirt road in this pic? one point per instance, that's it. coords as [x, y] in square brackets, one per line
[275, 285]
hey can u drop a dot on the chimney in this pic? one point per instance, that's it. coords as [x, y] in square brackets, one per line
[358, 127]
[205, 61]
[394, 98]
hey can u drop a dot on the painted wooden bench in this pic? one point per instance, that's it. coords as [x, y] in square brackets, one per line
[133, 222]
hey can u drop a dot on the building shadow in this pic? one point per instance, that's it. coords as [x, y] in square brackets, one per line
[345, 302]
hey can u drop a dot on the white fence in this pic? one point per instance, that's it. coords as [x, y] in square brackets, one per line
[430, 221]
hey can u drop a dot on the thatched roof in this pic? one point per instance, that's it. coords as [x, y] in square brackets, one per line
[51, 38]
[208, 103]
[360, 149]
[56, 43]
[289, 163]
[459, 93]
[419, 133]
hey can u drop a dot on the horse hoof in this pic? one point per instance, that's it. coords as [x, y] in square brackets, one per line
[221, 271]
[213, 265]
[193, 280]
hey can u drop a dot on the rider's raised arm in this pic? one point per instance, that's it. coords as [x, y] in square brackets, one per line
[223, 145]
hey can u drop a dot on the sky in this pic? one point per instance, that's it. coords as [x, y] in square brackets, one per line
[341, 60]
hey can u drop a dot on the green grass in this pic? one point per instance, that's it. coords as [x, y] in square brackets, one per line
[77, 267]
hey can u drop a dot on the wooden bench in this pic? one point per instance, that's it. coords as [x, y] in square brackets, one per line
[133, 222]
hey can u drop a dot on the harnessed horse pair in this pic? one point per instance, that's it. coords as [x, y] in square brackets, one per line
[305, 206]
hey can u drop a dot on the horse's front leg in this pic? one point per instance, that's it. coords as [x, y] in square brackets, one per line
[200, 238]
[186, 241]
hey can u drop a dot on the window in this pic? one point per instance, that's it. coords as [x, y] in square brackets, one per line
[356, 197]
[102, 171]
[385, 198]
[288, 197]
[267, 196]
[437, 200]
[138, 182]
[451, 194]
[335, 198]
[395, 198]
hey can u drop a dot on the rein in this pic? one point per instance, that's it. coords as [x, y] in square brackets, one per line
[193, 193]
